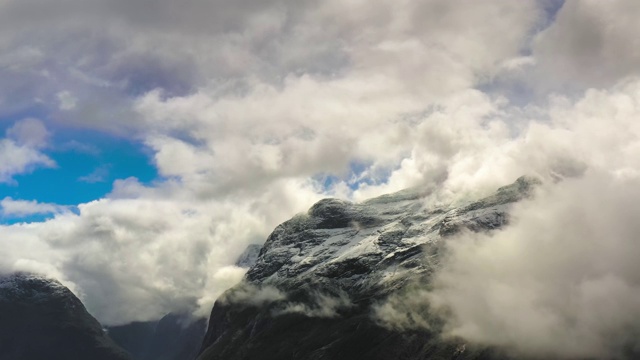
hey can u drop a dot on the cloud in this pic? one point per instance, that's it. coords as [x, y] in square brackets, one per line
[250, 294]
[590, 44]
[11, 207]
[67, 100]
[20, 150]
[140, 257]
[131, 49]
[99, 174]
[405, 311]
[29, 132]
[244, 105]
[560, 282]
[320, 306]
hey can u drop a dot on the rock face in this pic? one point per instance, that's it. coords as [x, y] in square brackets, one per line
[319, 276]
[42, 319]
[174, 337]
[249, 256]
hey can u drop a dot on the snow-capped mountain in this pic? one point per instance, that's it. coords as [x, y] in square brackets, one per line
[318, 278]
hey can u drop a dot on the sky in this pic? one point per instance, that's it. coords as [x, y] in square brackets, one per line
[144, 144]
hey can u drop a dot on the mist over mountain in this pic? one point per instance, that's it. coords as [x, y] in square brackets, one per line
[397, 276]
[532, 271]
[340, 282]
[176, 336]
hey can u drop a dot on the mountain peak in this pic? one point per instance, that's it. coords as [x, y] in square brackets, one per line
[42, 319]
[325, 270]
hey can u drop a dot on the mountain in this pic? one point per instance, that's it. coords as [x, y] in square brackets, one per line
[321, 277]
[174, 337]
[249, 257]
[42, 319]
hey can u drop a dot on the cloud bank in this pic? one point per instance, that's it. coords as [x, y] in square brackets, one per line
[253, 110]
[561, 281]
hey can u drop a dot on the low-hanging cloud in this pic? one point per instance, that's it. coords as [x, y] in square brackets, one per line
[140, 258]
[561, 281]
[250, 294]
[405, 311]
[319, 305]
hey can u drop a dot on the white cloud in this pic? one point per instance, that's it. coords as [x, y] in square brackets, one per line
[11, 207]
[29, 132]
[430, 48]
[67, 100]
[240, 113]
[138, 258]
[244, 103]
[247, 293]
[319, 306]
[590, 44]
[560, 281]
[20, 151]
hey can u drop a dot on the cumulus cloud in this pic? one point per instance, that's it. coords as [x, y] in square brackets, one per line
[124, 49]
[139, 258]
[21, 149]
[561, 279]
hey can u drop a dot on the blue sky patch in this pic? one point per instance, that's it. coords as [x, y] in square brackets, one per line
[87, 164]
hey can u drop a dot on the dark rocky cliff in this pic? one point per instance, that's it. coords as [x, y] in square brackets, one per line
[174, 337]
[42, 319]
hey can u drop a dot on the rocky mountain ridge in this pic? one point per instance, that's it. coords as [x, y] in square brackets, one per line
[176, 336]
[313, 291]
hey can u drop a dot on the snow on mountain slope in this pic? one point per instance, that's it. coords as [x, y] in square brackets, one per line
[370, 244]
[326, 269]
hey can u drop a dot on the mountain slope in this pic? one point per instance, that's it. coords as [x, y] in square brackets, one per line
[319, 278]
[174, 337]
[42, 319]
